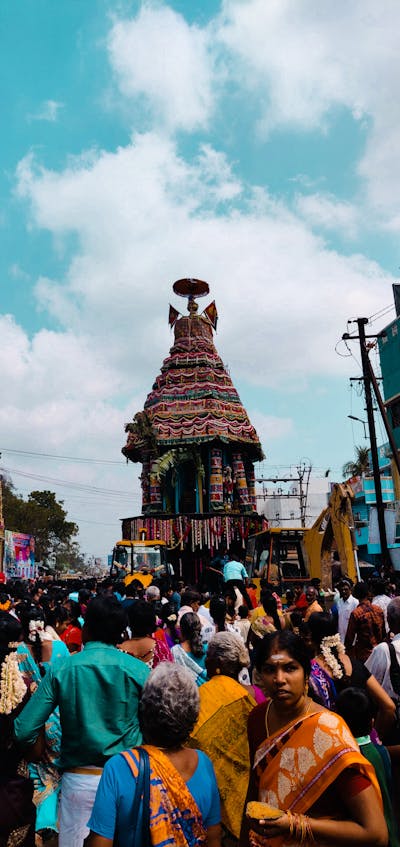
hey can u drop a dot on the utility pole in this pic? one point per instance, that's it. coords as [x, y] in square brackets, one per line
[303, 471]
[361, 322]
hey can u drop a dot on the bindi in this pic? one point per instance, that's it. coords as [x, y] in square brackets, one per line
[277, 657]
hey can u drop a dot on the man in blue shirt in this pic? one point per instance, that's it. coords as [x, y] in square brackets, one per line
[234, 570]
[235, 576]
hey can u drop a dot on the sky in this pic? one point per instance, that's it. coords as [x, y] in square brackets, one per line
[250, 143]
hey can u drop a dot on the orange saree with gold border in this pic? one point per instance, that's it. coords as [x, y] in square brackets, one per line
[297, 764]
[175, 818]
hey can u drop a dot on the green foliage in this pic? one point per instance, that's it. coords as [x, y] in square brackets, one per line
[42, 516]
[358, 466]
[175, 457]
[143, 432]
[68, 557]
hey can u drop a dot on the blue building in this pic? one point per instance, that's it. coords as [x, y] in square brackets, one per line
[365, 512]
[389, 354]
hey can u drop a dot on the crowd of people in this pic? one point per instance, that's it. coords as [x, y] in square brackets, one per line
[166, 716]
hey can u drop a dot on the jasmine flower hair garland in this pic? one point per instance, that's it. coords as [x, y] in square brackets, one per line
[330, 645]
[12, 685]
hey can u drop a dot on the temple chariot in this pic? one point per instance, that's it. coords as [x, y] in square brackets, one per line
[197, 448]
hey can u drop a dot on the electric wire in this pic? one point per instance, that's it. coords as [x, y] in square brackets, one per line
[68, 484]
[62, 458]
[79, 496]
[351, 353]
[95, 523]
[342, 355]
[381, 313]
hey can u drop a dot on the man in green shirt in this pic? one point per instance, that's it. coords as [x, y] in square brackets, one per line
[97, 692]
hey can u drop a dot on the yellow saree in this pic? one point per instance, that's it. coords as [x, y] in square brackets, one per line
[221, 732]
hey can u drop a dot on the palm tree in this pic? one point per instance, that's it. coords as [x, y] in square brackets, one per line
[358, 466]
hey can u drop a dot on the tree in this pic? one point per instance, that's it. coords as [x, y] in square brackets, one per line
[42, 516]
[68, 557]
[358, 466]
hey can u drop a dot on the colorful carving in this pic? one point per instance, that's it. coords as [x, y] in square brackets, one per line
[251, 482]
[216, 482]
[240, 479]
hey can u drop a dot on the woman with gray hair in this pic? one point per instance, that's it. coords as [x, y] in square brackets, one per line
[184, 801]
[221, 728]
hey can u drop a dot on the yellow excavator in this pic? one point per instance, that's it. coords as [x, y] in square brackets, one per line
[297, 554]
[334, 531]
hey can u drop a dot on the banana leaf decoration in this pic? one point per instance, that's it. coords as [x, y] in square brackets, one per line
[172, 459]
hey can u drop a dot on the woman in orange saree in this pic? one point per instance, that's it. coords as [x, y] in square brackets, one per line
[306, 763]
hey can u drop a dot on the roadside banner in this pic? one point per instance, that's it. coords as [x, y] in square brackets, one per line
[19, 555]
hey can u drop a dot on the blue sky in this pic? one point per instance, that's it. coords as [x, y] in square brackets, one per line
[251, 144]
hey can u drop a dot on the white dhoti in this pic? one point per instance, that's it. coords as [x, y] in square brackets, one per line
[78, 791]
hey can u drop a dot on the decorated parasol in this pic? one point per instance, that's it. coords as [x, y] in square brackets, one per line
[191, 287]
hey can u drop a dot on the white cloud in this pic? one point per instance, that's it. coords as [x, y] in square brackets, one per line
[49, 111]
[217, 175]
[305, 182]
[300, 60]
[283, 53]
[159, 56]
[296, 62]
[47, 367]
[59, 396]
[324, 211]
[308, 58]
[270, 428]
[283, 296]
[17, 272]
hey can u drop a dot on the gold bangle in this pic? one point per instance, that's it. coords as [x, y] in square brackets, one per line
[291, 823]
[302, 830]
[310, 834]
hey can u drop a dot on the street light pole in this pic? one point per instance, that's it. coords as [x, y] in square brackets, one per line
[353, 418]
[361, 322]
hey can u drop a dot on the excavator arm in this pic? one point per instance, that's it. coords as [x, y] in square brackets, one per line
[333, 529]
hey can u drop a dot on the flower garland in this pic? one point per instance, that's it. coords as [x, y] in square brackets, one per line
[12, 685]
[36, 628]
[329, 644]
